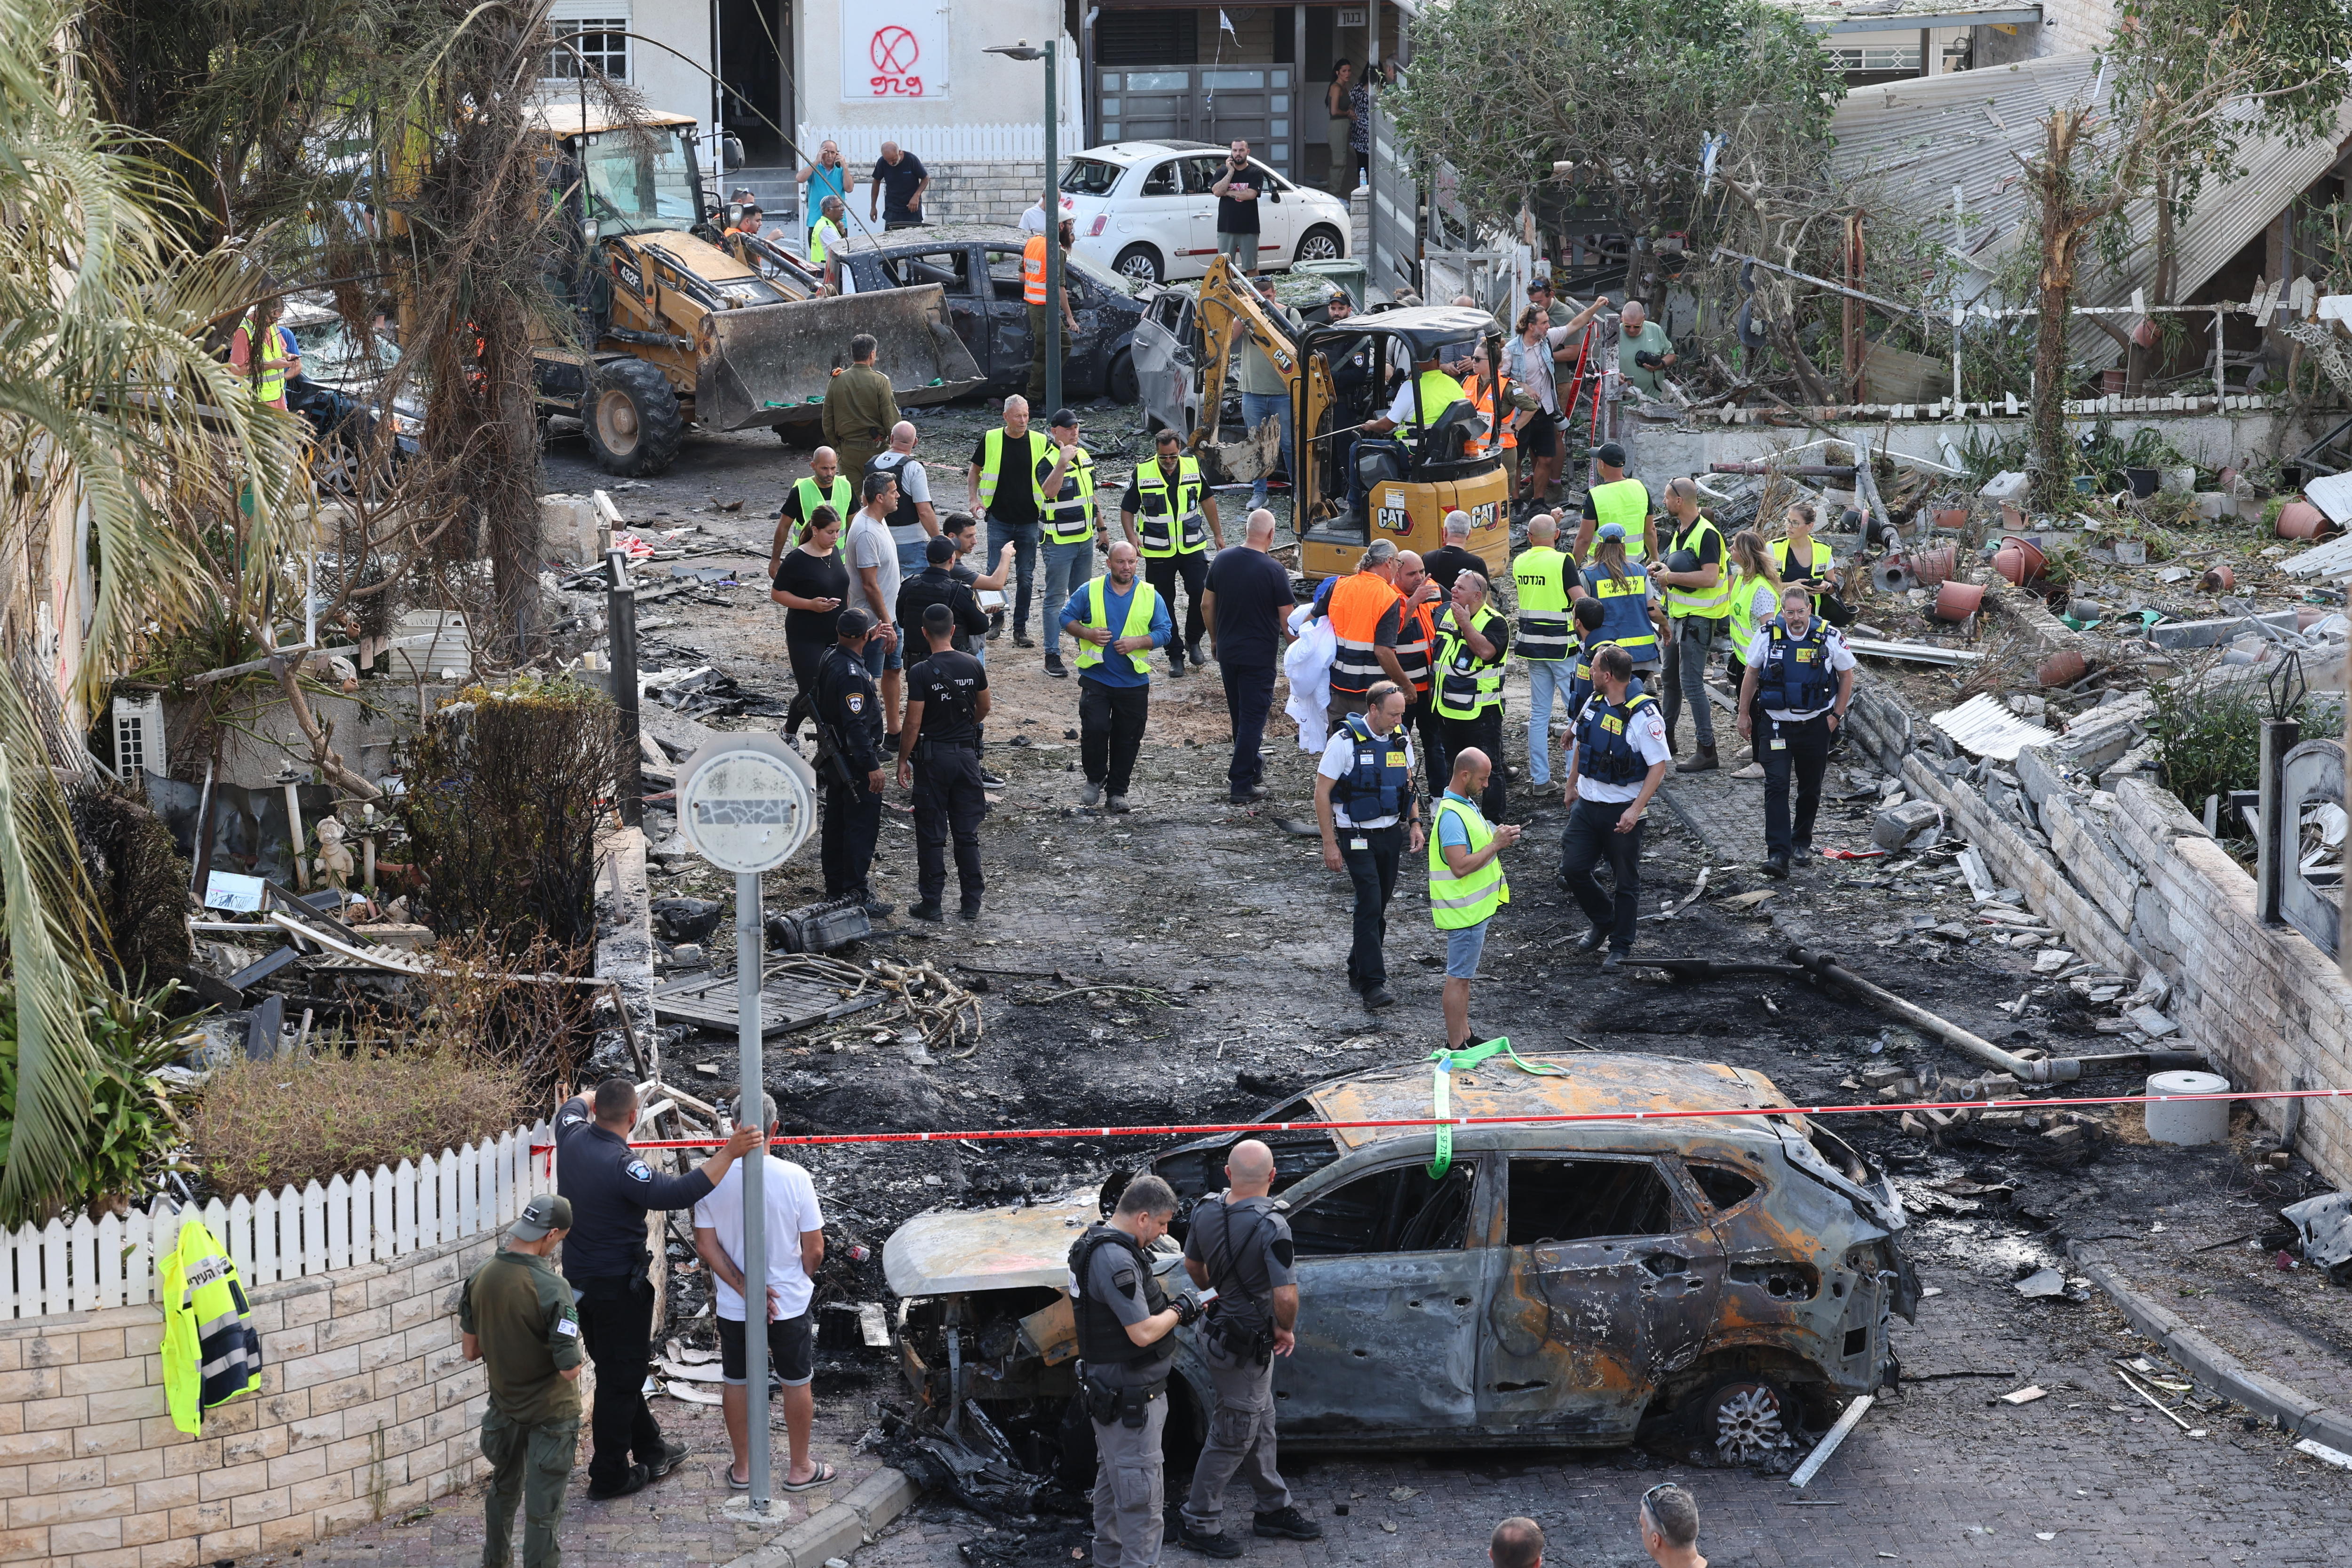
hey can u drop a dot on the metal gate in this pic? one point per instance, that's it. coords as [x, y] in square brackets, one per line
[1200, 103]
[1395, 259]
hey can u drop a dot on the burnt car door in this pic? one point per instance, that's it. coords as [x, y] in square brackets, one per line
[1389, 1276]
[1167, 374]
[1008, 312]
[1607, 1281]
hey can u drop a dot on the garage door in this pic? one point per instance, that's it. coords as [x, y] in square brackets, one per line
[1200, 103]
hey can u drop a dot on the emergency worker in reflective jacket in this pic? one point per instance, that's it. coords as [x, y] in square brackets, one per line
[1240, 1246]
[1124, 1322]
[1618, 761]
[1803, 673]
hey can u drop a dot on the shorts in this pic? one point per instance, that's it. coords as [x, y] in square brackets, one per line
[877, 661]
[1463, 948]
[792, 1350]
[1242, 248]
[1539, 437]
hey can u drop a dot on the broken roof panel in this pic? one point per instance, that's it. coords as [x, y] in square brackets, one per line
[1984, 727]
[1883, 15]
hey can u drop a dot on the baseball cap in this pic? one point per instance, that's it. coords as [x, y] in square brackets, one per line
[854, 623]
[543, 1214]
[1063, 419]
[1613, 531]
[1611, 453]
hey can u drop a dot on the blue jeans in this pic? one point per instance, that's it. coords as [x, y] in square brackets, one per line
[1548, 682]
[1024, 538]
[1069, 567]
[914, 557]
[1257, 407]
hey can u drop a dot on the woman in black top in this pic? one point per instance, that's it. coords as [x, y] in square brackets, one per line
[812, 582]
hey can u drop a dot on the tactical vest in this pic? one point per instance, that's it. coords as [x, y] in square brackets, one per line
[1070, 513]
[1703, 604]
[1467, 685]
[1605, 752]
[843, 499]
[1625, 502]
[1376, 786]
[1625, 610]
[1795, 675]
[1457, 902]
[1580, 678]
[905, 522]
[1102, 1338]
[1542, 574]
[211, 1352]
[1139, 624]
[1166, 526]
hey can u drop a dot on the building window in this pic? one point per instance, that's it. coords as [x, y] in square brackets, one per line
[1895, 58]
[601, 42]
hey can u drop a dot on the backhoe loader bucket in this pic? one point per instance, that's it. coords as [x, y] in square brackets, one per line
[771, 364]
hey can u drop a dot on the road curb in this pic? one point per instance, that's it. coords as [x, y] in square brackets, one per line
[838, 1529]
[2287, 1407]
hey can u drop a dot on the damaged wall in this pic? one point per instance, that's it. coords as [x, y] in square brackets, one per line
[2133, 881]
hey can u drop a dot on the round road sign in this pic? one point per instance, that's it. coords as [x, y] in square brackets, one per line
[747, 802]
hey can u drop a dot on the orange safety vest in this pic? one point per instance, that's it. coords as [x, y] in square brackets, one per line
[1484, 401]
[1032, 270]
[1358, 603]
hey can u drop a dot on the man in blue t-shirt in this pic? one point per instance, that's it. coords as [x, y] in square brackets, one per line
[1114, 682]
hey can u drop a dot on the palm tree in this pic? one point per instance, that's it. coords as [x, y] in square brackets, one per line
[129, 455]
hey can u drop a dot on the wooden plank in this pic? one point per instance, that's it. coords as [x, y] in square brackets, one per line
[404, 1206]
[339, 1225]
[314, 1230]
[56, 1293]
[238, 1239]
[81, 1249]
[449, 1231]
[110, 1265]
[380, 1232]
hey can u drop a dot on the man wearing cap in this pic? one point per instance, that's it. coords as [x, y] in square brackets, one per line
[850, 763]
[1698, 615]
[610, 1190]
[1611, 496]
[1072, 521]
[938, 755]
[516, 1318]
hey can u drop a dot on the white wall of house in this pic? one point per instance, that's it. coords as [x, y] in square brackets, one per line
[667, 82]
[915, 72]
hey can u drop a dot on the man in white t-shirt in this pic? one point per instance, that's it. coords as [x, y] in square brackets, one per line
[871, 554]
[1617, 757]
[1800, 667]
[1364, 799]
[795, 1235]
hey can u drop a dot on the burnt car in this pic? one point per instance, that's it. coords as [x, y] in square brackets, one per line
[339, 393]
[977, 266]
[1721, 1283]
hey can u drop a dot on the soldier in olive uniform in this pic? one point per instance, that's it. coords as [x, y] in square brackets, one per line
[1240, 1246]
[1125, 1323]
[517, 1319]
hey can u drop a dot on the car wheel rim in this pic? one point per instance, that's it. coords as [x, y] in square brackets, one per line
[1319, 248]
[1138, 268]
[1748, 1422]
[617, 421]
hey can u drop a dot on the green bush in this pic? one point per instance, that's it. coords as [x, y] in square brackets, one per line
[266, 1125]
[133, 1127]
[2208, 735]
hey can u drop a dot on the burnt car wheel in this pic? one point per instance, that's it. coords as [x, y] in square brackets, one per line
[1121, 383]
[1743, 1420]
[1320, 243]
[1138, 262]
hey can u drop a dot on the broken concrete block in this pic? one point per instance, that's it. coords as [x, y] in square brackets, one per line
[568, 524]
[2213, 506]
[2007, 484]
[2066, 1135]
[1896, 828]
[2151, 1023]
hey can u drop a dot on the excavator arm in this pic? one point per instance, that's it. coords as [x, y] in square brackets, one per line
[1229, 313]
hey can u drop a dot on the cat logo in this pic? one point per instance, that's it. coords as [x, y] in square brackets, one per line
[1395, 520]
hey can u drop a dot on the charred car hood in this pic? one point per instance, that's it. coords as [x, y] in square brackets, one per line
[948, 1251]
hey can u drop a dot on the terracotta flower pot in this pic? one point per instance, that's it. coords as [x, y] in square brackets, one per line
[2301, 520]
[1932, 567]
[2064, 667]
[1952, 517]
[1959, 601]
[2018, 560]
[2218, 580]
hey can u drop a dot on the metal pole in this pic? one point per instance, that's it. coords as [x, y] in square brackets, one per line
[1054, 306]
[620, 633]
[751, 1079]
[2278, 836]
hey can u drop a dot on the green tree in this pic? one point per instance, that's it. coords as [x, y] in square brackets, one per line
[1626, 91]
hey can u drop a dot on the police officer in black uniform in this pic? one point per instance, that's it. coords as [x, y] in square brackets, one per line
[1124, 1321]
[605, 1261]
[937, 584]
[851, 763]
[1239, 1244]
[938, 751]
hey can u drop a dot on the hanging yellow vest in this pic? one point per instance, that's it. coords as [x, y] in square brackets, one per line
[211, 1352]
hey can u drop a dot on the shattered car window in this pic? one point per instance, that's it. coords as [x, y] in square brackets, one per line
[1396, 1210]
[1724, 1188]
[1575, 1200]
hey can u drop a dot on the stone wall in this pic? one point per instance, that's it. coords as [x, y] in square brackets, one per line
[2135, 882]
[366, 1408]
[983, 193]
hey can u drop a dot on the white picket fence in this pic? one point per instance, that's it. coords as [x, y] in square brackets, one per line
[365, 1217]
[972, 143]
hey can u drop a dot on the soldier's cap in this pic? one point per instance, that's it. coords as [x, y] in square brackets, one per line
[1613, 531]
[1063, 419]
[854, 622]
[543, 1214]
[1611, 453]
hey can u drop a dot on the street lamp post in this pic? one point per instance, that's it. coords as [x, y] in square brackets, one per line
[1051, 54]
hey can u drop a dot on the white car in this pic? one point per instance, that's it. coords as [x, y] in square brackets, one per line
[1143, 209]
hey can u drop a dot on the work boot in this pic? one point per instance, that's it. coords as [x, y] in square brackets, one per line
[1217, 1545]
[1055, 667]
[991, 778]
[1176, 664]
[1703, 761]
[633, 1482]
[673, 1456]
[1115, 805]
[1613, 963]
[1197, 656]
[1776, 865]
[1021, 637]
[1092, 795]
[1286, 1524]
[875, 910]
[970, 910]
[1593, 941]
[927, 911]
[1375, 998]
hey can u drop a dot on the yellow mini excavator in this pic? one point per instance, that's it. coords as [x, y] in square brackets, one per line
[670, 328]
[1340, 374]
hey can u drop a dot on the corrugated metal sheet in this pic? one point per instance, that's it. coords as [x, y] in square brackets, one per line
[1983, 727]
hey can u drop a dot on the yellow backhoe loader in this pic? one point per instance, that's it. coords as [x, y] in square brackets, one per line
[1340, 374]
[670, 328]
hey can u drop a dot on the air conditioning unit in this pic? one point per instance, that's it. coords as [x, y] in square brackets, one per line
[139, 744]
